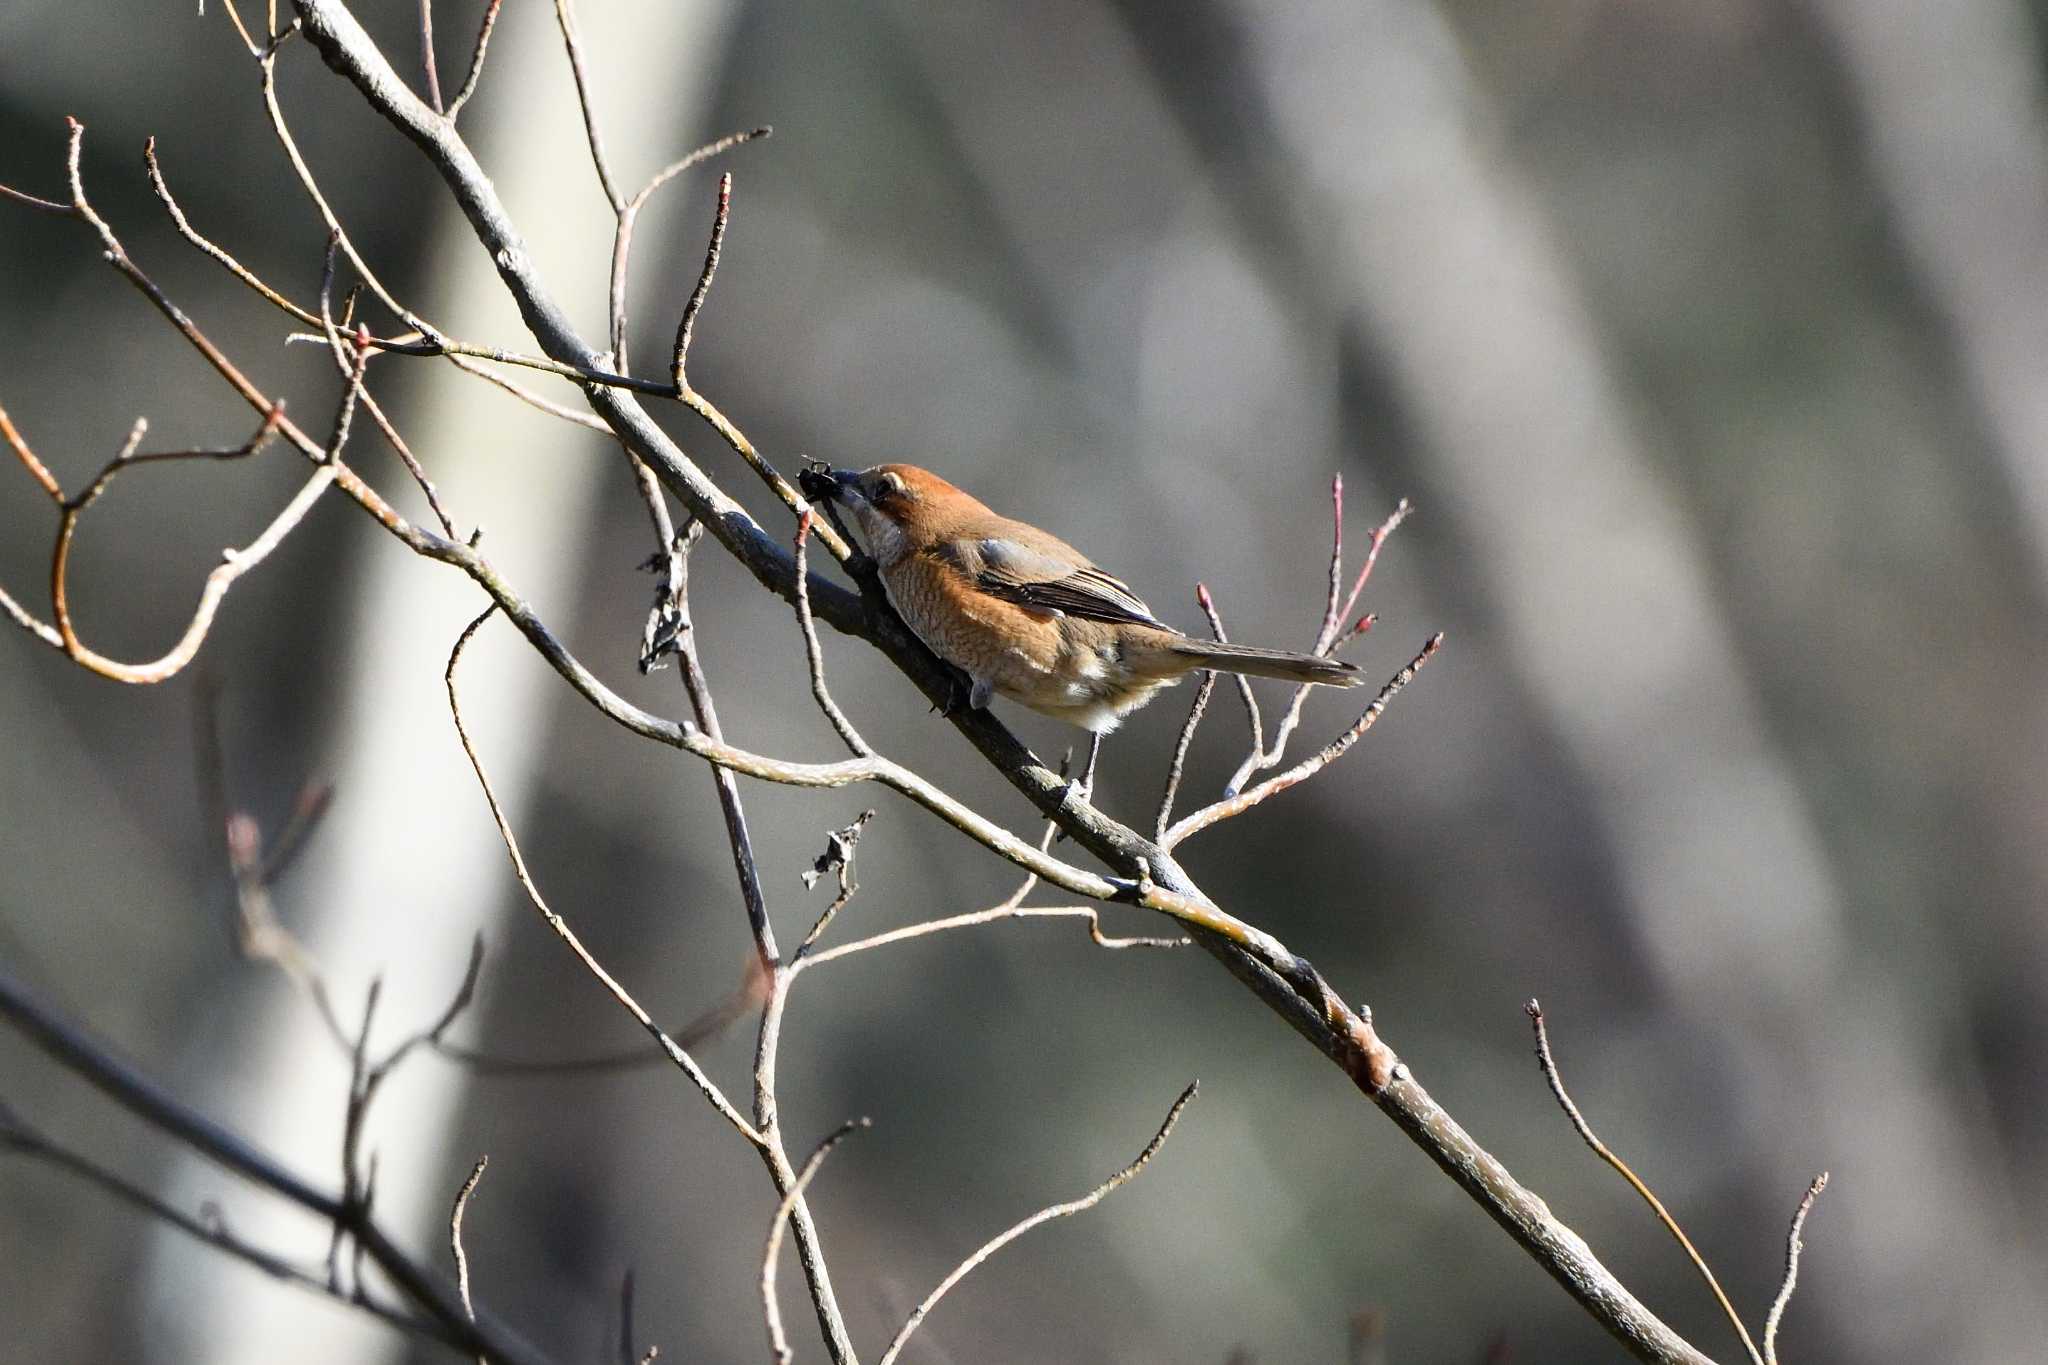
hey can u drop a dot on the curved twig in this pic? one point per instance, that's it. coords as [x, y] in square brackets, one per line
[455, 1213]
[560, 926]
[814, 653]
[1793, 1246]
[1045, 1215]
[771, 1254]
[1606, 1154]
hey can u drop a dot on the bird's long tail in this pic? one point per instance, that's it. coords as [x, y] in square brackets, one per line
[1269, 663]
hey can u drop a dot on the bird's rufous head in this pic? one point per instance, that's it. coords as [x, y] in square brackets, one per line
[899, 508]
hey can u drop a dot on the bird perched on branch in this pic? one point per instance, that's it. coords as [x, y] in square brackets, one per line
[1024, 614]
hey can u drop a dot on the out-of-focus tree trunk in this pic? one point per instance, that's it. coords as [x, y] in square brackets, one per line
[389, 887]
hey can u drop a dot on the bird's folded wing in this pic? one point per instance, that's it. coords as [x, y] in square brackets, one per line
[1031, 578]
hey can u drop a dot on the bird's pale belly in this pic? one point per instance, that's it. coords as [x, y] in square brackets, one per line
[1063, 667]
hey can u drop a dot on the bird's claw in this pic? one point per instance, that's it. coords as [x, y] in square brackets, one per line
[960, 694]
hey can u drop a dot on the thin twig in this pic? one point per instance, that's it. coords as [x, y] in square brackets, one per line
[679, 362]
[432, 1034]
[1793, 1246]
[1328, 638]
[427, 55]
[768, 968]
[324, 319]
[1010, 907]
[1203, 692]
[235, 562]
[1380, 533]
[465, 356]
[622, 238]
[1601, 1150]
[307, 811]
[354, 1189]
[992, 915]
[352, 357]
[31, 201]
[708, 1023]
[461, 1207]
[1310, 766]
[470, 365]
[566, 20]
[211, 248]
[771, 1255]
[1045, 1215]
[813, 652]
[695, 682]
[476, 60]
[1244, 684]
[560, 926]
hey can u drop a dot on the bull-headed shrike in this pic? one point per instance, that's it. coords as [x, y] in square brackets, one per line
[1024, 614]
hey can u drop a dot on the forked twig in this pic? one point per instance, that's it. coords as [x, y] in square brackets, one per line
[476, 60]
[62, 635]
[560, 926]
[1336, 610]
[1045, 1215]
[622, 239]
[1606, 1154]
[1314, 763]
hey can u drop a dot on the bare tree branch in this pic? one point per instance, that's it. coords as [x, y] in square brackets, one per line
[208, 1227]
[79, 1052]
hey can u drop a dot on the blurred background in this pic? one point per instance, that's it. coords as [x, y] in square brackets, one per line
[1706, 339]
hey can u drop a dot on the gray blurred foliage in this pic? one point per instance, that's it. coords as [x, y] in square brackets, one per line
[1706, 338]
